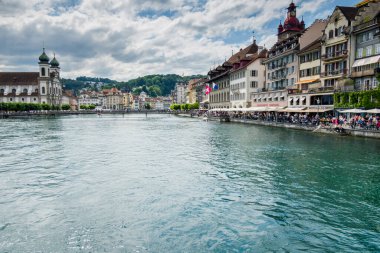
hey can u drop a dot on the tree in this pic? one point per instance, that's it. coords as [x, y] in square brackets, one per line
[46, 107]
[91, 107]
[137, 91]
[147, 106]
[83, 107]
[65, 107]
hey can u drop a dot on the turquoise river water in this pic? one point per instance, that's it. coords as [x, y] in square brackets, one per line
[169, 184]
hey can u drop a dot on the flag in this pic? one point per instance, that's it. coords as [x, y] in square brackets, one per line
[208, 89]
[215, 86]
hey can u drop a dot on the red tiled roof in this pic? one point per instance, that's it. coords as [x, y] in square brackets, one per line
[18, 78]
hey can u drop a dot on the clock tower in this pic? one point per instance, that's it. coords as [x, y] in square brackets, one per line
[291, 25]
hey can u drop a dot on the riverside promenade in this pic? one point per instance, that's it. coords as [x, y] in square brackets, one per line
[322, 129]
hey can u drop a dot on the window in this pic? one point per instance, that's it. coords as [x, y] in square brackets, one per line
[43, 90]
[34, 99]
[2, 91]
[377, 48]
[253, 84]
[360, 53]
[370, 36]
[43, 72]
[253, 73]
[329, 82]
[331, 34]
[25, 91]
[11, 99]
[22, 99]
[13, 90]
[369, 51]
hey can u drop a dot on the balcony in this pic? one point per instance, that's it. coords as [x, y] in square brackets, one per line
[278, 77]
[278, 66]
[340, 72]
[368, 72]
[335, 55]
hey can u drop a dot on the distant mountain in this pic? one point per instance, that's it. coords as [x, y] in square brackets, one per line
[154, 85]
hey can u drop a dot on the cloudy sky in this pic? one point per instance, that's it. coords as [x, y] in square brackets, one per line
[124, 39]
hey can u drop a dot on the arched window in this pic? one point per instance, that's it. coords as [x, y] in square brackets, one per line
[43, 90]
[13, 90]
[2, 91]
[25, 91]
[43, 72]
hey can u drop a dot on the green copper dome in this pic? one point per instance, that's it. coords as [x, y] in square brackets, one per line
[44, 58]
[54, 62]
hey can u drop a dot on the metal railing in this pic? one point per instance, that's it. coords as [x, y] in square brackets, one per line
[333, 55]
[334, 73]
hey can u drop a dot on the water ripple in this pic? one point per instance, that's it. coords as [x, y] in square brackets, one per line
[168, 184]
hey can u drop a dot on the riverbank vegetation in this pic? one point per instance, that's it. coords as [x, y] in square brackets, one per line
[23, 107]
[358, 99]
[184, 107]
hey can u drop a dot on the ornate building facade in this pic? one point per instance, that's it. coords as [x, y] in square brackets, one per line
[42, 87]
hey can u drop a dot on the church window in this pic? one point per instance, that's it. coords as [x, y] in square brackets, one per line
[43, 72]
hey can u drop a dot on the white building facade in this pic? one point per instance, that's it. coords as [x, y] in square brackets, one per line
[42, 87]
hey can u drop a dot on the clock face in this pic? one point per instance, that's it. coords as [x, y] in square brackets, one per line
[292, 13]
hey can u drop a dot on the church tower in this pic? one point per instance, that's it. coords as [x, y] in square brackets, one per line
[44, 77]
[55, 89]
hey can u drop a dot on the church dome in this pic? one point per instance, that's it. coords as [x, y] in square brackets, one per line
[43, 57]
[54, 62]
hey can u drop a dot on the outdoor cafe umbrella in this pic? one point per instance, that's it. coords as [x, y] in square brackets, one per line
[374, 111]
[353, 111]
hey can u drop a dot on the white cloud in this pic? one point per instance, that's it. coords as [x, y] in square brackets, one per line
[110, 38]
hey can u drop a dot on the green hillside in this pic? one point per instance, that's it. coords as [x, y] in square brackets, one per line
[154, 85]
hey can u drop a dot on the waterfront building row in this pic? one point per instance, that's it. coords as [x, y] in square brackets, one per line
[114, 99]
[306, 66]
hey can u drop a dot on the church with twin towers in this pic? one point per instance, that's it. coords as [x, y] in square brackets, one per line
[42, 87]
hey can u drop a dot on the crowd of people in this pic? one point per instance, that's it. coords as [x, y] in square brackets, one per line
[367, 122]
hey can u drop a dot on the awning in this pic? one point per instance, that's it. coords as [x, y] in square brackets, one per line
[256, 109]
[366, 61]
[374, 111]
[307, 81]
[296, 98]
[318, 110]
[293, 109]
[289, 99]
[353, 111]
[303, 98]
